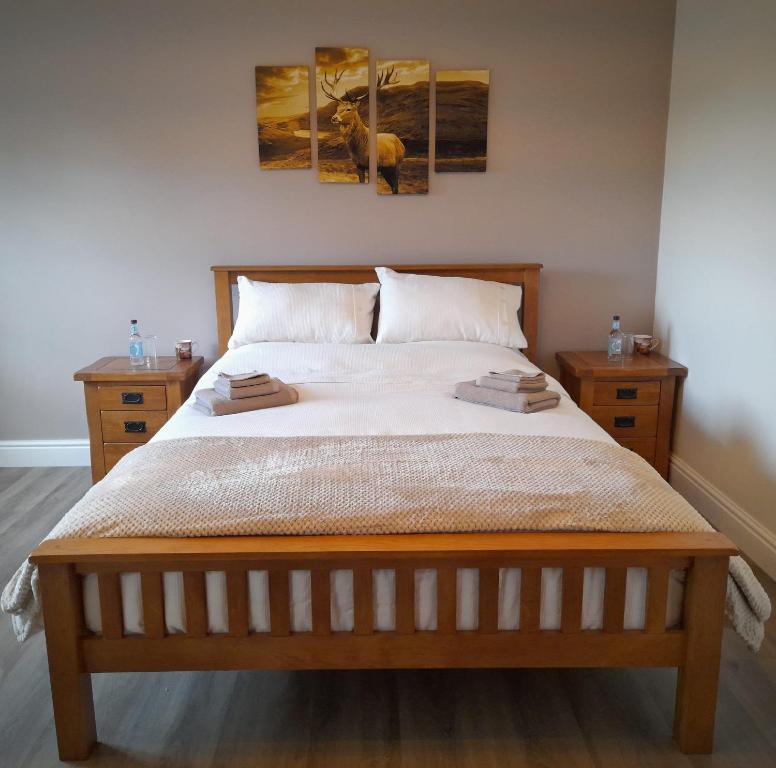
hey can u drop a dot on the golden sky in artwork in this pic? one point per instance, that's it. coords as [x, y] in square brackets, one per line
[461, 75]
[282, 91]
[408, 71]
[354, 62]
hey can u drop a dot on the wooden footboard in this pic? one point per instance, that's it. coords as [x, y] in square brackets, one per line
[74, 653]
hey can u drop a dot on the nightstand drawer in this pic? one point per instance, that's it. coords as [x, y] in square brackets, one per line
[132, 397]
[115, 451]
[134, 427]
[644, 446]
[627, 421]
[626, 393]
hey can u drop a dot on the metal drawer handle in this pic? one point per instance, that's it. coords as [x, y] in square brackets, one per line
[134, 426]
[624, 421]
[132, 398]
[627, 393]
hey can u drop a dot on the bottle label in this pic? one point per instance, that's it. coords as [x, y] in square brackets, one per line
[135, 348]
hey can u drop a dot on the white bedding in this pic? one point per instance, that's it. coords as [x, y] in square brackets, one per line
[372, 389]
[378, 389]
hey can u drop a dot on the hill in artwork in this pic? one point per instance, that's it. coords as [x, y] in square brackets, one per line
[287, 137]
[461, 125]
[283, 116]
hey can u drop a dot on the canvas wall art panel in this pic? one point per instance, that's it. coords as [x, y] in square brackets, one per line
[342, 115]
[283, 117]
[461, 120]
[402, 126]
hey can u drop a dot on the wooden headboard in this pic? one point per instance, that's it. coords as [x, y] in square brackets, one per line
[526, 275]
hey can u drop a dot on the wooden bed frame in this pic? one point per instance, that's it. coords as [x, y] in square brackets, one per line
[74, 653]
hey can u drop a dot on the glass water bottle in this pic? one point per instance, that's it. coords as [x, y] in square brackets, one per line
[616, 338]
[136, 356]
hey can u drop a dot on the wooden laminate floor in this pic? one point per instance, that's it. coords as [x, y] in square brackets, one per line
[415, 718]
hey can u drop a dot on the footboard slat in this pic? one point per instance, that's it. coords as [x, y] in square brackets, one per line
[571, 612]
[405, 601]
[320, 601]
[657, 599]
[530, 598]
[111, 616]
[363, 599]
[614, 599]
[237, 602]
[279, 603]
[447, 600]
[195, 601]
[488, 602]
[153, 604]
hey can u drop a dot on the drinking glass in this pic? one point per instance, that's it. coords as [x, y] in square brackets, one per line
[149, 351]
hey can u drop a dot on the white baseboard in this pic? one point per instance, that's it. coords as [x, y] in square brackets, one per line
[44, 453]
[726, 515]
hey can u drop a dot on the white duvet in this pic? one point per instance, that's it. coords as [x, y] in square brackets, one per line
[377, 389]
[372, 389]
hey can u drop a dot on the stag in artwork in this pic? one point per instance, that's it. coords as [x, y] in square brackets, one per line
[355, 135]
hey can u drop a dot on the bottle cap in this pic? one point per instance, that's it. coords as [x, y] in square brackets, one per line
[615, 317]
[133, 322]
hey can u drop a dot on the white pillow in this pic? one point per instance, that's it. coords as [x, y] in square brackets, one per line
[336, 313]
[426, 308]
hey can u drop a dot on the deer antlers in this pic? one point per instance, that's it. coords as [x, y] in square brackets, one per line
[336, 77]
[384, 78]
[387, 76]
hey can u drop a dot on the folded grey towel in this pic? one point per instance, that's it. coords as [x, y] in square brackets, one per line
[543, 405]
[520, 402]
[511, 385]
[245, 379]
[212, 404]
[233, 391]
[515, 374]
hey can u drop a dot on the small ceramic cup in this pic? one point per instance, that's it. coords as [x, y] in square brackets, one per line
[184, 348]
[644, 343]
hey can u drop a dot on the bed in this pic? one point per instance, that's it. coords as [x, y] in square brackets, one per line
[360, 389]
[420, 600]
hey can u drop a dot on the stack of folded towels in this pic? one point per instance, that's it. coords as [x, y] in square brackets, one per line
[240, 392]
[512, 390]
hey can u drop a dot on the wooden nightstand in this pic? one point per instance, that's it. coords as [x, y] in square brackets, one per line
[125, 406]
[633, 399]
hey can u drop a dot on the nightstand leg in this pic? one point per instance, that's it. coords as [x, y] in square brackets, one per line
[664, 424]
[586, 395]
[175, 396]
[94, 421]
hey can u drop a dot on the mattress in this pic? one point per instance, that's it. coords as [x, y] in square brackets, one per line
[374, 389]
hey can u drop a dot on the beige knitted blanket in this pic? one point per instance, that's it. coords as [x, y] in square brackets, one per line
[227, 486]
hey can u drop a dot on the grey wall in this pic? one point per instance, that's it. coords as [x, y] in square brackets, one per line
[129, 166]
[717, 272]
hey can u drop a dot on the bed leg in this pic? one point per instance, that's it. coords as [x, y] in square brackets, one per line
[698, 678]
[71, 687]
